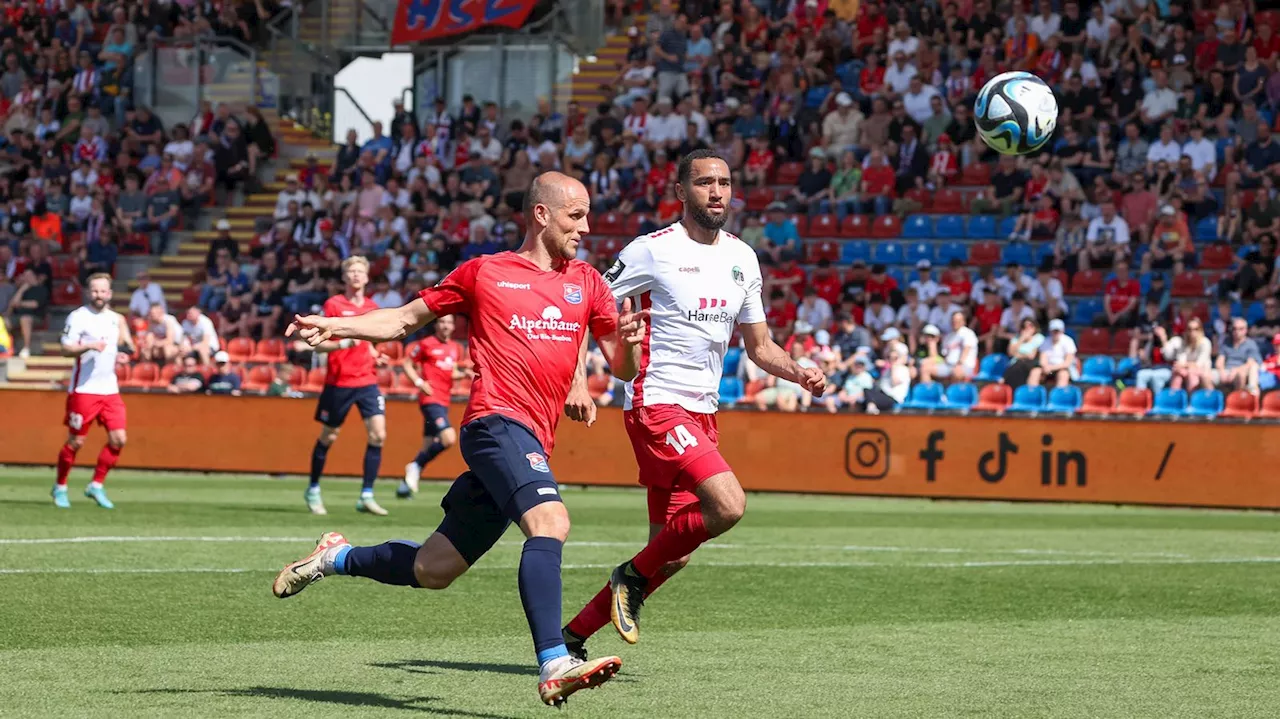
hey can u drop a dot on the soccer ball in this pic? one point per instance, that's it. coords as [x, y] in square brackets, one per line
[1015, 113]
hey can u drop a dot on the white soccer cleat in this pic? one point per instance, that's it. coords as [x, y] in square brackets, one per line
[412, 477]
[369, 505]
[314, 502]
[312, 568]
[566, 675]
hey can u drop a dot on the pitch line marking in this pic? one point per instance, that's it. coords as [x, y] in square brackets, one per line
[711, 545]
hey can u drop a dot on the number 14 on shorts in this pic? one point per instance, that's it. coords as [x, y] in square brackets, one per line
[680, 439]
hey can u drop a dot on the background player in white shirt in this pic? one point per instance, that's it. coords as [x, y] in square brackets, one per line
[92, 335]
[699, 283]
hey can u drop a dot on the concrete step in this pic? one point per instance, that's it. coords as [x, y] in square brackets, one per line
[53, 361]
[38, 376]
[207, 236]
[175, 286]
[167, 271]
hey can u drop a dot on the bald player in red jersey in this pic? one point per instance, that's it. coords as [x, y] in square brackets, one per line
[351, 380]
[530, 311]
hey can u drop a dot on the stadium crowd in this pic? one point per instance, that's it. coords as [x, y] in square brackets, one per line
[900, 252]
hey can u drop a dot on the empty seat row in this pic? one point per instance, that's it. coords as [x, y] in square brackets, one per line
[1101, 400]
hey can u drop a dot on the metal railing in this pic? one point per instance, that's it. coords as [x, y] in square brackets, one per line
[175, 78]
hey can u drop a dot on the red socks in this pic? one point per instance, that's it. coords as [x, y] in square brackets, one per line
[684, 533]
[107, 459]
[596, 614]
[66, 458]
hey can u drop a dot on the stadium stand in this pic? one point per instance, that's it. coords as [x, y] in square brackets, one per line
[1150, 181]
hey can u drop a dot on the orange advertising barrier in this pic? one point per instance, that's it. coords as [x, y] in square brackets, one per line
[1169, 463]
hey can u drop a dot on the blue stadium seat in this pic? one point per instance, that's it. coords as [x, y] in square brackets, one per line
[814, 97]
[949, 227]
[1144, 281]
[919, 251]
[1099, 369]
[1084, 311]
[925, 395]
[953, 251]
[1126, 369]
[853, 250]
[730, 389]
[1169, 403]
[1255, 312]
[1206, 403]
[918, 227]
[1006, 227]
[962, 395]
[1207, 229]
[1246, 250]
[1135, 259]
[1019, 252]
[982, 227]
[991, 368]
[1028, 399]
[732, 357]
[887, 253]
[898, 274]
[1044, 252]
[1065, 399]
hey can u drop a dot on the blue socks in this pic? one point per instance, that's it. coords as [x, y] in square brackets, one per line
[319, 454]
[389, 563]
[428, 454]
[540, 593]
[372, 462]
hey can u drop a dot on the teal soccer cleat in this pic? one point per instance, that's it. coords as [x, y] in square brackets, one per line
[99, 495]
[60, 498]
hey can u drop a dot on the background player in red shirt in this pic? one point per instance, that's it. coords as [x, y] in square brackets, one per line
[529, 311]
[432, 365]
[351, 379]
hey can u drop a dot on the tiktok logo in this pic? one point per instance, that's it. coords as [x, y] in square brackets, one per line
[999, 457]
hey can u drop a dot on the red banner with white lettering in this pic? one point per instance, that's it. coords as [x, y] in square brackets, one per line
[424, 20]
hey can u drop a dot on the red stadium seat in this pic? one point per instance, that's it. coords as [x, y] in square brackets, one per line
[887, 227]
[823, 226]
[631, 225]
[136, 243]
[259, 378]
[984, 253]
[759, 198]
[315, 380]
[403, 386]
[976, 174]
[752, 389]
[393, 350]
[1216, 257]
[825, 250]
[269, 351]
[67, 293]
[1200, 310]
[993, 398]
[65, 267]
[1268, 17]
[298, 380]
[1086, 282]
[608, 246]
[240, 349]
[1188, 284]
[610, 223]
[1203, 18]
[1094, 341]
[1270, 406]
[1134, 401]
[921, 195]
[386, 377]
[1098, 400]
[855, 226]
[1120, 342]
[143, 374]
[122, 373]
[167, 373]
[190, 297]
[788, 173]
[802, 224]
[948, 201]
[1241, 405]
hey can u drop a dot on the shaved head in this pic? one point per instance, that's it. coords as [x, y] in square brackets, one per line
[550, 189]
[556, 208]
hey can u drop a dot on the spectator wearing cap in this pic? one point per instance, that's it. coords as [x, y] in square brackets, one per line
[1057, 358]
[855, 383]
[814, 185]
[959, 350]
[1107, 239]
[1239, 360]
[293, 192]
[925, 286]
[225, 379]
[891, 339]
[1171, 246]
[840, 129]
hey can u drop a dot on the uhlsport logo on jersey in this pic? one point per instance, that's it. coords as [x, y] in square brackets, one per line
[738, 277]
[537, 462]
[572, 293]
[550, 326]
[720, 313]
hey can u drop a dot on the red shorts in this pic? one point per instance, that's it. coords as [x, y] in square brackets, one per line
[676, 450]
[84, 409]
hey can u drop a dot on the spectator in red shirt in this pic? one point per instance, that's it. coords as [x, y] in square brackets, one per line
[826, 282]
[956, 278]
[1267, 43]
[759, 163]
[1041, 223]
[882, 285]
[1171, 245]
[659, 177]
[871, 79]
[986, 318]
[780, 314]
[870, 19]
[878, 184]
[1121, 297]
[786, 276]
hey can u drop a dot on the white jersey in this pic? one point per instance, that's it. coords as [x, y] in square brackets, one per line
[696, 294]
[95, 371]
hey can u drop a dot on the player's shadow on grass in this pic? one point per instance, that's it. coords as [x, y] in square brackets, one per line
[438, 666]
[332, 696]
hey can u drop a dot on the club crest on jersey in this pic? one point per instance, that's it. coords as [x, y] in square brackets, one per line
[537, 462]
[738, 277]
[572, 293]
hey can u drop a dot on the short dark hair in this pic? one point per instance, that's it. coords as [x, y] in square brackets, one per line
[685, 169]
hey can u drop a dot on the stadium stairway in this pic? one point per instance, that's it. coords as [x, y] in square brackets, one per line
[592, 81]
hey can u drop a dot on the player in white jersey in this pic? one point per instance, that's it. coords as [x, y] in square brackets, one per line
[699, 284]
[92, 336]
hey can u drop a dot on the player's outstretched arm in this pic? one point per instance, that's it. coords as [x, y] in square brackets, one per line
[622, 347]
[393, 323]
[771, 358]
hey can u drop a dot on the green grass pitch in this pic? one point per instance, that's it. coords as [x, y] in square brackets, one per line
[813, 607]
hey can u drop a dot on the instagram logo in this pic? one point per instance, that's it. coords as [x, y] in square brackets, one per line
[866, 454]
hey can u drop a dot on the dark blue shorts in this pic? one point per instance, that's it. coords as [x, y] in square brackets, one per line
[336, 402]
[508, 476]
[435, 419]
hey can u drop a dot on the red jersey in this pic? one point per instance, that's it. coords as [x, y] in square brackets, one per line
[352, 367]
[882, 287]
[987, 317]
[880, 181]
[526, 327]
[1119, 293]
[828, 288]
[435, 360]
